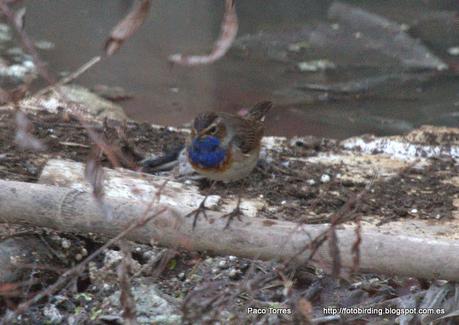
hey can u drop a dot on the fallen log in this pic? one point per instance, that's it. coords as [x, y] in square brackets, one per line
[393, 251]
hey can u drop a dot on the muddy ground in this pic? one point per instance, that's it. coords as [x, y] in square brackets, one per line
[292, 186]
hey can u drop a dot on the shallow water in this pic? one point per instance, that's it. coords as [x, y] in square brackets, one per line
[173, 96]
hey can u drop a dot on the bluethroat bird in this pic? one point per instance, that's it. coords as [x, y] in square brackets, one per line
[225, 147]
[222, 147]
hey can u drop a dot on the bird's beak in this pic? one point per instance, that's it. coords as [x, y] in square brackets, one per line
[201, 134]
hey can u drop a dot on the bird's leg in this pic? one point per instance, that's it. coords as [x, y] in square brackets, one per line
[201, 209]
[237, 212]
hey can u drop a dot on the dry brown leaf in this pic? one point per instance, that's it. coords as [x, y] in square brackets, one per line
[94, 173]
[334, 251]
[305, 309]
[19, 17]
[225, 40]
[127, 26]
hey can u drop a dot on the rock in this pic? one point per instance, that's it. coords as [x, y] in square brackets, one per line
[153, 307]
[5, 33]
[66, 243]
[325, 178]
[112, 257]
[222, 264]
[426, 142]
[315, 65]
[97, 106]
[18, 71]
[234, 274]
[453, 50]
[53, 314]
[78, 99]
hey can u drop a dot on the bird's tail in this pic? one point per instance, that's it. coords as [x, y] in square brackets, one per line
[162, 163]
[259, 111]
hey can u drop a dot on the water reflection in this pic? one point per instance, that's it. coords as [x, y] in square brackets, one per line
[174, 96]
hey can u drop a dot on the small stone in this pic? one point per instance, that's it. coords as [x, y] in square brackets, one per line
[285, 164]
[311, 182]
[181, 276]
[44, 45]
[66, 243]
[283, 202]
[233, 274]
[296, 47]
[53, 314]
[112, 257]
[222, 264]
[78, 257]
[315, 65]
[453, 50]
[414, 211]
[32, 169]
[325, 178]
[232, 258]
[404, 27]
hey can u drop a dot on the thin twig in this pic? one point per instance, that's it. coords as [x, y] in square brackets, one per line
[71, 77]
[127, 300]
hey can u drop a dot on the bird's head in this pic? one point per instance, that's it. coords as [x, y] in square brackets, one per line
[208, 125]
[207, 141]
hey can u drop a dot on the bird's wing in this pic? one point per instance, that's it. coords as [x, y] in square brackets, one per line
[259, 111]
[245, 133]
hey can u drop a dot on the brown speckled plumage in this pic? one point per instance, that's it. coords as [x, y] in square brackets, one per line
[240, 135]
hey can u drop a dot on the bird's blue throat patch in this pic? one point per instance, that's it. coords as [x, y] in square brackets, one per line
[206, 152]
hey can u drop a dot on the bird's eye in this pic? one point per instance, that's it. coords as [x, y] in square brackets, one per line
[213, 130]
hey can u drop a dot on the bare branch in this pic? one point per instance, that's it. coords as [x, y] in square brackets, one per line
[228, 33]
[127, 26]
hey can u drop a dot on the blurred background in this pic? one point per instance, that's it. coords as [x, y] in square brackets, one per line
[381, 67]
